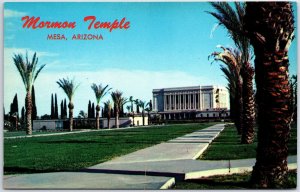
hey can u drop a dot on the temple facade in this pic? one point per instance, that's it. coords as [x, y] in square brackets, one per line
[191, 102]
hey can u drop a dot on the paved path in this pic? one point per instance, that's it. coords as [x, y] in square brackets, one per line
[78, 131]
[156, 167]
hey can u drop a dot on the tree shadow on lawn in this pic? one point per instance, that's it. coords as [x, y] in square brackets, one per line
[221, 185]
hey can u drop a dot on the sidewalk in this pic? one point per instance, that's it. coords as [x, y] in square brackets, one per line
[156, 167]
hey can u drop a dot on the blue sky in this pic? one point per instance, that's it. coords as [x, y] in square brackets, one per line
[167, 45]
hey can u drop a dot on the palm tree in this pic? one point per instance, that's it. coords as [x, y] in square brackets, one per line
[233, 21]
[232, 71]
[119, 101]
[270, 27]
[131, 100]
[29, 72]
[69, 88]
[148, 109]
[142, 104]
[108, 107]
[137, 103]
[82, 114]
[128, 109]
[100, 92]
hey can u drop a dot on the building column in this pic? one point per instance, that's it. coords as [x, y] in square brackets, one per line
[165, 102]
[183, 101]
[179, 101]
[195, 102]
[189, 96]
[174, 101]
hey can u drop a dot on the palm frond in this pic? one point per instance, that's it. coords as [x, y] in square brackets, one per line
[100, 91]
[27, 69]
[38, 71]
[68, 86]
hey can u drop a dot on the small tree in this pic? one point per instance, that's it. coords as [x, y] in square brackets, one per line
[52, 107]
[65, 108]
[108, 107]
[29, 72]
[100, 92]
[131, 100]
[55, 108]
[89, 109]
[62, 109]
[119, 101]
[69, 88]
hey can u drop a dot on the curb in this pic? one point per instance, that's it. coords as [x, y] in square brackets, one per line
[168, 184]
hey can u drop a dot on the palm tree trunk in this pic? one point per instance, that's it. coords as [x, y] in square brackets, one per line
[143, 114]
[133, 119]
[232, 104]
[273, 119]
[270, 29]
[239, 108]
[117, 119]
[97, 116]
[248, 105]
[71, 107]
[28, 113]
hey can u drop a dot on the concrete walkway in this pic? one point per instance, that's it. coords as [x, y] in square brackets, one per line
[156, 167]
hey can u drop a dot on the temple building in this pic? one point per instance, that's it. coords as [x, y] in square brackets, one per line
[191, 102]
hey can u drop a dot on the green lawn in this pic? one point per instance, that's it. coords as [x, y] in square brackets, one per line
[75, 151]
[235, 181]
[227, 146]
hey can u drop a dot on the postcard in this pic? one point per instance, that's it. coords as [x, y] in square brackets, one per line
[150, 95]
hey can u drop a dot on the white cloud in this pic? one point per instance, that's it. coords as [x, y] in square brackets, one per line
[13, 13]
[10, 37]
[213, 30]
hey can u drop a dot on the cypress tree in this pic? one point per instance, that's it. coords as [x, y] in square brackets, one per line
[14, 106]
[93, 111]
[65, 109]
[62, 109]
[23, 115]
[52, 107]
[34, 110]
[55, 108]
[11, 109]
[89, 109]
[102, 113]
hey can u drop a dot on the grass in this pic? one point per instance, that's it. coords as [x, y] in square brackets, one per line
[235, 181]
[76, 151]
[227, 146]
